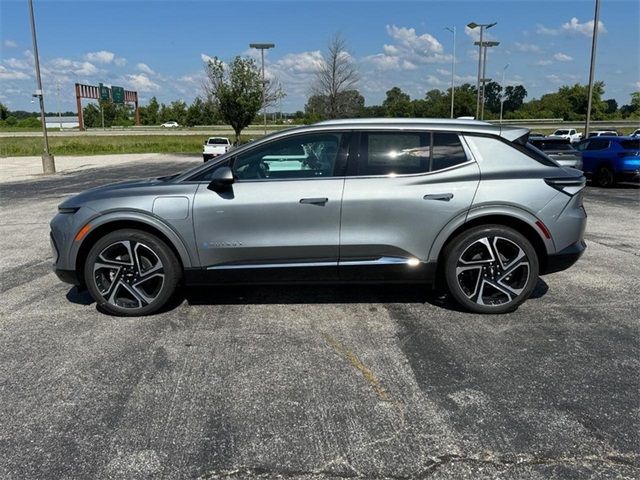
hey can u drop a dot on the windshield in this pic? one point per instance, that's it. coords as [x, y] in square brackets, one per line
[218, 141]
[550, 144]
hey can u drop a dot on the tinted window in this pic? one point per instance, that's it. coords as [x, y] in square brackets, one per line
[405, 153]
[630, 144]
[395, 153]
[551, 145]
[301, 156]
[218, 141]
[596, 144]
[447, 151]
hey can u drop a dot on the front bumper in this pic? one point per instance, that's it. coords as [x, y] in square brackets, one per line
[564, 258]
[68, 276]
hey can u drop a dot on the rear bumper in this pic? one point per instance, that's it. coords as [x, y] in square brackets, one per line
[564, 258]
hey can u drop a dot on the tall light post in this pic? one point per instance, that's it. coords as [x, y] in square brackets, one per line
[502, 96]
[48, 162]
[262, 47]
[483, 27]
[453, 66]
[484, 79]
[592, 68]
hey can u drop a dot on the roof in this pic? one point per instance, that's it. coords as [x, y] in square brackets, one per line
[507, 132]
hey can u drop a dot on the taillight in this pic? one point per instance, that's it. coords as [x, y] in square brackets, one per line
[569, 186]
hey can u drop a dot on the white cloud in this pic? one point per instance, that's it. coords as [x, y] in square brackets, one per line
[141, 83]
[562, 57]
[63, 66]
[435, 81]
[19, 64]
[544, 62]
[6, 74]
[304, 62]
[442, 71]
[120, 62]
[206, 58]
[586, 28]
[474, 33]
[573, 27]
[408, 51]
[144, 68]
[527, 47]
[10, 44]
[103, 56]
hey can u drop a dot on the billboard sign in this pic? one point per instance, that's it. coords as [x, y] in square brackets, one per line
[117, 94]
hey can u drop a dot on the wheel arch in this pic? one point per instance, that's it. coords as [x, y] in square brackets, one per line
[111, 222]
[523, 222]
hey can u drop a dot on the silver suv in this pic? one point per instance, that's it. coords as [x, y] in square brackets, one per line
[463, 202]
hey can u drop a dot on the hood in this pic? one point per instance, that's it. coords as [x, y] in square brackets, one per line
[110, 190]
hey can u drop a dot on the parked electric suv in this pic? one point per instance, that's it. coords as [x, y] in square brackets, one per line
[463, 202]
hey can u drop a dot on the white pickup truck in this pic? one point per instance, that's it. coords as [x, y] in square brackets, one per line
[568, 134]
[215, 146]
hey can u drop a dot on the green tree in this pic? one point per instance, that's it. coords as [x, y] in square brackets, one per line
[397, 103]
[4, 112]
[514, 97]
[149, 114]
[236, 90]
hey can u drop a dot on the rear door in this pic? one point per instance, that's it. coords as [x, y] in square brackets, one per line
[403, 188]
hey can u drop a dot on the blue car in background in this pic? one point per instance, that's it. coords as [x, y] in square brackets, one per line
[608, 160]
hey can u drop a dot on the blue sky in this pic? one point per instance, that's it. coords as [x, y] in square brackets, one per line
[159, 47]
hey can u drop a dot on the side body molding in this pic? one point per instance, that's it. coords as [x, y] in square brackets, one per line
[140, 217]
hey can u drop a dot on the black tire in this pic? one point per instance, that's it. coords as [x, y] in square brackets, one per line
[471, 275]
[126, 284]
[604, 177]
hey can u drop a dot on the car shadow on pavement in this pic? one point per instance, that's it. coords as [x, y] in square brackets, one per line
[306, 294]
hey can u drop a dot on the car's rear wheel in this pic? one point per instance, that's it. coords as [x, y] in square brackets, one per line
[604, 177]
[491, 269]
[131, 273]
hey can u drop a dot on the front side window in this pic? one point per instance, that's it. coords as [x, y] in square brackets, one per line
[300, 156]
[406, 153]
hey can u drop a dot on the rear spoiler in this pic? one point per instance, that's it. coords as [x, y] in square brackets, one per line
[517, 135]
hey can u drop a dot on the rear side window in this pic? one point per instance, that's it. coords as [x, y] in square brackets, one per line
[447, 151]
[405, 153]
[502, 153]
[630, 144]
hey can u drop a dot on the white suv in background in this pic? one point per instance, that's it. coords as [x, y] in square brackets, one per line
[567, 133]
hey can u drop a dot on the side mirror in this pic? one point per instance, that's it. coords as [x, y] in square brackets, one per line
[221, 180]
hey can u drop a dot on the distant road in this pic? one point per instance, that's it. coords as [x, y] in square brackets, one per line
[258, 130]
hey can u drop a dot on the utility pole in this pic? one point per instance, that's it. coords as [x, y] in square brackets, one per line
[453, 67]
[48, 162]
[592, 68]
[502, 96]
[480, 44]
[262, 47]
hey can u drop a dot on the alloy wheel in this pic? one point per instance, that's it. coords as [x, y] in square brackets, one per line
[128, 274]
[493, 271]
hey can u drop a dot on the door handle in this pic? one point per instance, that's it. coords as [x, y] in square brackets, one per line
[445, 197]
[314, 201]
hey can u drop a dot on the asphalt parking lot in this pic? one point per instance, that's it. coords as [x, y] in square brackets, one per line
[318, 382]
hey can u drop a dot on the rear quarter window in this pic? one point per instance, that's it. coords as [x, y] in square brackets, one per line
[499, 154]
[630, 144]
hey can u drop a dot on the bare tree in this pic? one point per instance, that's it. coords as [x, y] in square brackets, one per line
[273, 93]
[336, 75]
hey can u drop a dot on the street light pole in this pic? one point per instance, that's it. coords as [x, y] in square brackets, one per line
[480, 44]
[262, 47]
[48, 162]
[502, 97]
[453, 67]
[592, 68]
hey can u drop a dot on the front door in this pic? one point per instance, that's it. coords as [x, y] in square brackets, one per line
[281, 214]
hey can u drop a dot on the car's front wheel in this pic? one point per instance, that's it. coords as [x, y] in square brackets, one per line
[491, 269]
[131, 273]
